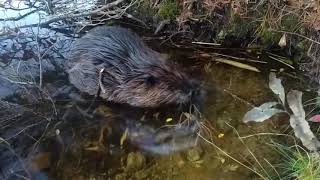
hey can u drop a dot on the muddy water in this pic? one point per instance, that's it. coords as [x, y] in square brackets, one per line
[48, 132]
[237, 90]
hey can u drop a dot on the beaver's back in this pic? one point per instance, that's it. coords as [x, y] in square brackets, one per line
[115, 48]
[107, 43]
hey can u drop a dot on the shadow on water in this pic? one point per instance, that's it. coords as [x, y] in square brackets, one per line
[47, 131]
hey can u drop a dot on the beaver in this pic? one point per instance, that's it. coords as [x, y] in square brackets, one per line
[118, 62]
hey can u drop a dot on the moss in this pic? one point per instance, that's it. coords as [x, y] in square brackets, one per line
[237, 28]
[145, 8]
[269, 38]
[266, 36]
[290, 23]
[240, 27]
[169, 9]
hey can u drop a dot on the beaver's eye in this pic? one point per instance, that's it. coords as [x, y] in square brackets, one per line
[150, 80]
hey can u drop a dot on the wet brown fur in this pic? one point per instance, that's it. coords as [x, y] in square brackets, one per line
[133, 73]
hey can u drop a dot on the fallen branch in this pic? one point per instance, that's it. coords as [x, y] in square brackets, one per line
[296, 34]
[104, 10]
[19, 17]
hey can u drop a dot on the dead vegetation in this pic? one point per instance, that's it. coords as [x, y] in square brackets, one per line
[289, 27]
[60, 14]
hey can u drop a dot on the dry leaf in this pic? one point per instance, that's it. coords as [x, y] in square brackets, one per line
[283, 41]
[237, 64]
[276, 87]
[261, 113]
[299, 124]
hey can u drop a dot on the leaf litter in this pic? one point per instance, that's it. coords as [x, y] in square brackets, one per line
[298, 122]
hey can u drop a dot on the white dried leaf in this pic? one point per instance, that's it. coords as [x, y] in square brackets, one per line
[261, 113]
[294, 99]
[298, 122]
[276, 86]
[237, 64]
[283, 41]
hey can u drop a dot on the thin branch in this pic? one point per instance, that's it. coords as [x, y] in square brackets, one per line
[78, 15]
[296, 34]
[18, 9]
[19, 17]
[101, 10]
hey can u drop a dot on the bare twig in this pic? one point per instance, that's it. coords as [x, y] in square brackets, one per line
[100, 81]
[296, 34]
[103, 10]
[206, 43]
[19, 17]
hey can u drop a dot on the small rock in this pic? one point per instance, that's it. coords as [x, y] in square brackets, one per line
[135, 161]
[194, 154]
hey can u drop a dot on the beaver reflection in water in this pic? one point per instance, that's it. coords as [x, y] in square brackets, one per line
[133, 73]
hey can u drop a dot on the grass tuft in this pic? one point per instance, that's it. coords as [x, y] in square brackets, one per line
[297, 163]
[169, 9]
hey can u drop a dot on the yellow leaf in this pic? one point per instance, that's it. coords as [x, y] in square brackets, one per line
[220, 135]
[124, 137]
[169, 120]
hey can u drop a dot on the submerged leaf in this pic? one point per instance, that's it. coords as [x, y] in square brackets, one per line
[220, 135]
[294, 99]
[276, 86]
[262, 113]
[237, 64]
[299, 124]
[169, 120]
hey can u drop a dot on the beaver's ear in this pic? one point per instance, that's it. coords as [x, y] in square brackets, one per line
[150, 80]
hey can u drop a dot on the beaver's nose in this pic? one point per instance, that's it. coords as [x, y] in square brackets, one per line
[195, 93]
[193, 85]
[189, 86]
[197, 98]
[194, 88]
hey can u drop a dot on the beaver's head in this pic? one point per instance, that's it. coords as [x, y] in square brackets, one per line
[153, 85]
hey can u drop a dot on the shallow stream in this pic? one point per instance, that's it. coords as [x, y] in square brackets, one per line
[48, 131]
